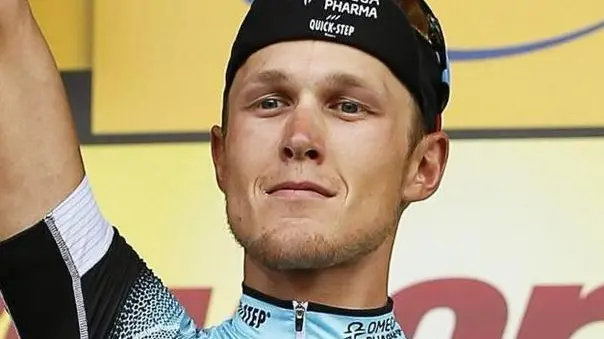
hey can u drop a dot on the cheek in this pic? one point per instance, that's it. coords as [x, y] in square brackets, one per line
[248, 133]
[373, 166]
[249, 150]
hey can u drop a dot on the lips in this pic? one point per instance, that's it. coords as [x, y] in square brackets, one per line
[307, 186]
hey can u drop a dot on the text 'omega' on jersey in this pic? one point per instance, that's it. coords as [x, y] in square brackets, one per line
[378, 329]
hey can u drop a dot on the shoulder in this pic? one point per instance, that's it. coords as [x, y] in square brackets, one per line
[151, 311]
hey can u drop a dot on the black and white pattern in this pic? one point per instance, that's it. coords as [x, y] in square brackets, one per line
[151, 312]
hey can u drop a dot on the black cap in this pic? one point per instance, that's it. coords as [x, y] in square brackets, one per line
[377, 27]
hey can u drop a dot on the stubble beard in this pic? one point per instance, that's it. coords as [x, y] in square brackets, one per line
[309, 251]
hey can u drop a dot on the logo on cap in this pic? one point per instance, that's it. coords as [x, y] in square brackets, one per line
[337, 9]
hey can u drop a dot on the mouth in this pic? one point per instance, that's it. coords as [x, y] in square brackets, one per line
[300, 189]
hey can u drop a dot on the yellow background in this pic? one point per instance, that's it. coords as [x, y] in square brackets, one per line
[558, 87]
[514, 213]
[158, 66]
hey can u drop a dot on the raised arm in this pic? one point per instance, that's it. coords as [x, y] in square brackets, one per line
[40, 162]
[65, 272]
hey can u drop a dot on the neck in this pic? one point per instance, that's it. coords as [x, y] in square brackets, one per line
[359, 285]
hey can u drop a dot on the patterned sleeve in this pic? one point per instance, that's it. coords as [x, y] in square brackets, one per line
[73, 275]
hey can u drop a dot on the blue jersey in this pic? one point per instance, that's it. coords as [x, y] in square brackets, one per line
[72, 276]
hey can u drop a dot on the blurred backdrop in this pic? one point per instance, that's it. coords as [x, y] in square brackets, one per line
[512, 246]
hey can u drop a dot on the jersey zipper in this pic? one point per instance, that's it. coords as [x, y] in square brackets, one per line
[300, 313]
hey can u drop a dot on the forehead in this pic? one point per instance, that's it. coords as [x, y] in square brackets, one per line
[313, 61]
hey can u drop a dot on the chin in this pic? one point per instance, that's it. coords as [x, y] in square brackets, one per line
[305, 244]
[295, 250]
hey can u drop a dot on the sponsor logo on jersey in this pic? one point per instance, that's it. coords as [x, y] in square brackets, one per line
[253, 316]
[354, 330]
[377, 329]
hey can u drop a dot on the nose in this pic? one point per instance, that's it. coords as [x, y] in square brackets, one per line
[303, 138]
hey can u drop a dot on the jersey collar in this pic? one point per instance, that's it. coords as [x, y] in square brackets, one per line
[262, 316]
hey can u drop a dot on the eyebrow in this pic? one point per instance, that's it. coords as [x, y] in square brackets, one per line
[271, 76]
[346, 80]
[333, 80]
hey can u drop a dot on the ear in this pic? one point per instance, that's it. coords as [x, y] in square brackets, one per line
[217, 142]
[426, 167]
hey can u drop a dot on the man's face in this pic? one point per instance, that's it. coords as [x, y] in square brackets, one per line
[316, 162]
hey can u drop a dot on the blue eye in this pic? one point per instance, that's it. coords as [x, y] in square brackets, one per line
[270, 103]
[350, 107]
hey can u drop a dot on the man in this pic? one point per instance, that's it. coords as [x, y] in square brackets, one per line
[331, 128]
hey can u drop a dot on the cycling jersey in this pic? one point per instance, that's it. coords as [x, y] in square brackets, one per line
[73, 275]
